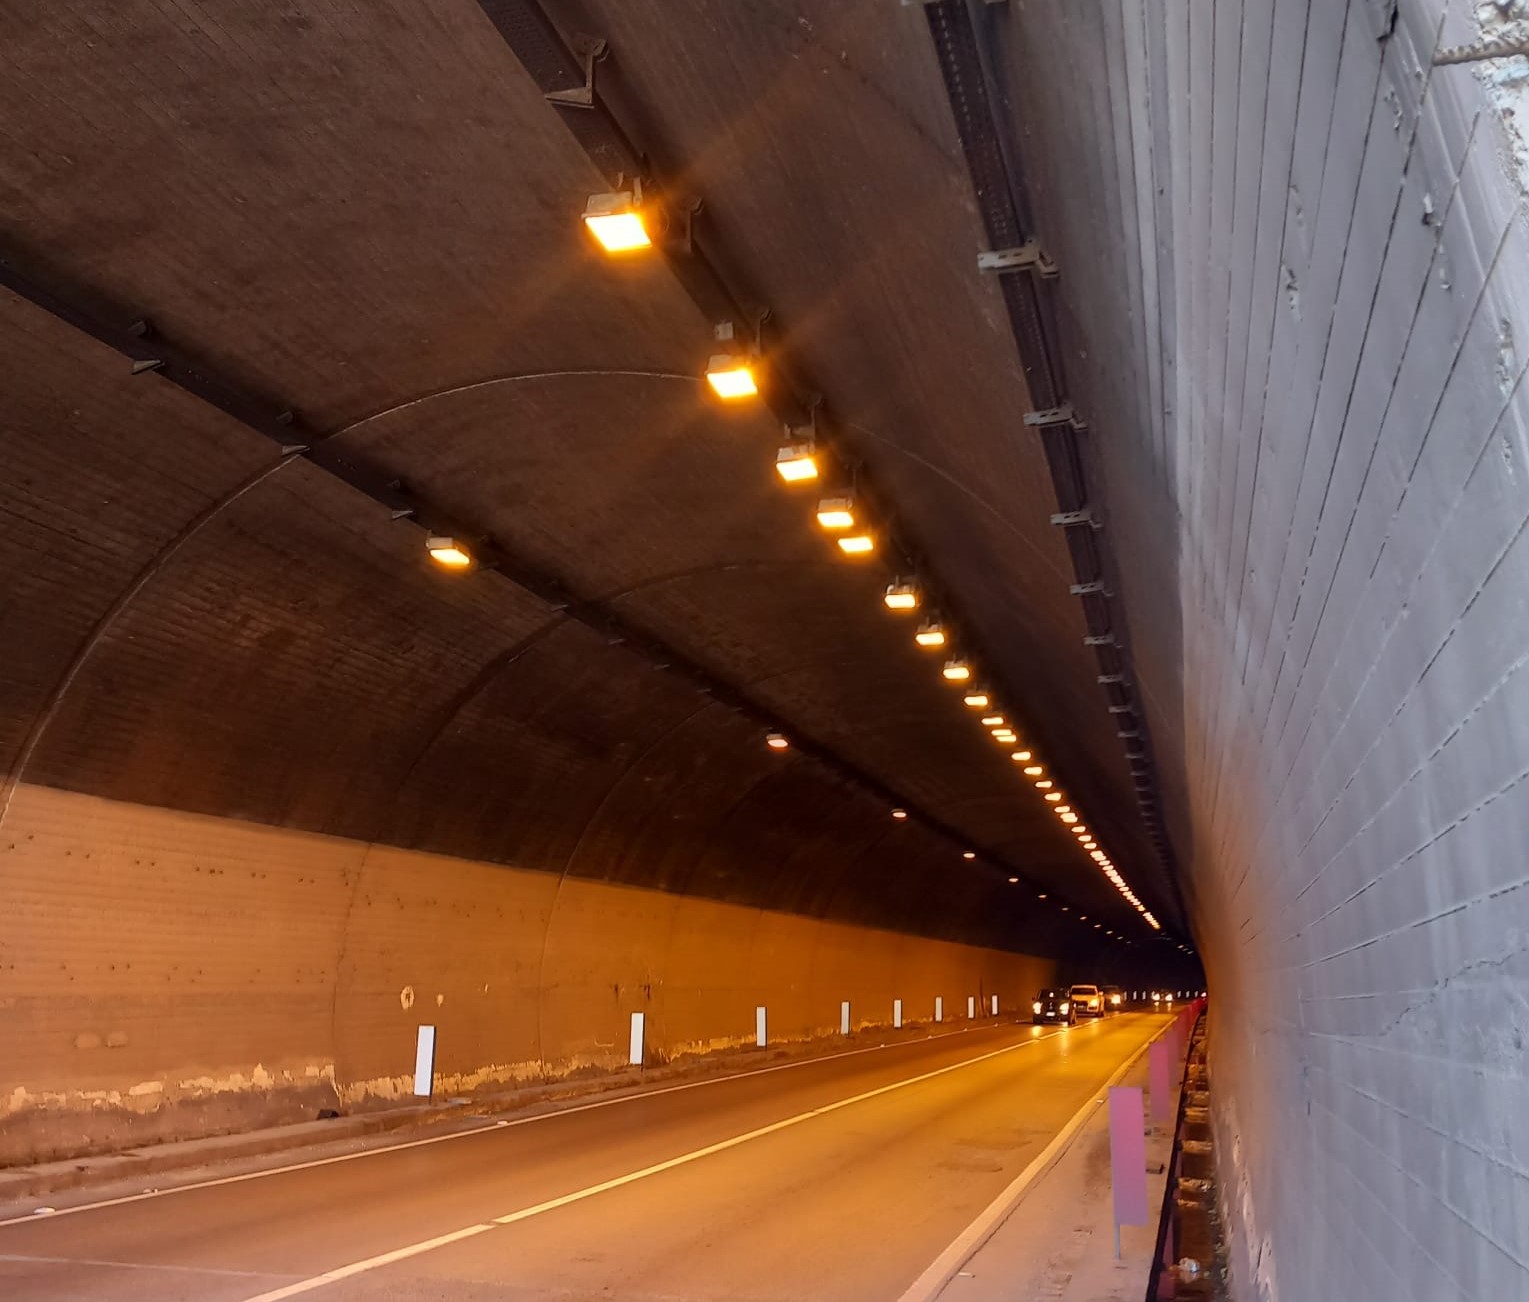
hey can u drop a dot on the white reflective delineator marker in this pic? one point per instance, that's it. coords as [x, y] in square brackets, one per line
[634, 1054]
[971, 1008]
[939, 1008]
[995, 1005]
[424, 1062]
[759, 1027]
[844, 1018]
[897, 1013]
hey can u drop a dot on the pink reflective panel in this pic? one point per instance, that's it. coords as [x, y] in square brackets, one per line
[1128, 1155]
[1160, 1078]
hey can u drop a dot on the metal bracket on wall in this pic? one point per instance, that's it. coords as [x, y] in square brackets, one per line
[1026, 257]
[590, 49]
[1052, 416]
[1087, 589]
[1068, 519]
[1106, 680]
[1122, 709]
[1099, 639]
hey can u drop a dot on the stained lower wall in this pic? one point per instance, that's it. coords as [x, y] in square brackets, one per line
[165, 974]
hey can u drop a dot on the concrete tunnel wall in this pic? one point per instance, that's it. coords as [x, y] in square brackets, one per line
[172, 974]
[1296, 262]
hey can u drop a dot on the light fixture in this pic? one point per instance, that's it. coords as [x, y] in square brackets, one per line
[1005, 735]
[930, 634]
[899, 814]
[1034, 771]
[1044, 784]
[992, 721]
[1080, 830]
[1041, 896]
[901, 594]
[618, 221]
[448, 552]
[1053, 795]
[1064, 809]
[956, 671]
[796, 462]
[979, 701]
[1098, 856]
[968, 854]
[857, 544]
[1069, 818]
[836, 513]
[776, 741]
[1021, 757]
[1013, 881]
[731, 376]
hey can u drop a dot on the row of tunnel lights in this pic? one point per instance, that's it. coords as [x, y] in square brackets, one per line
[619, 223]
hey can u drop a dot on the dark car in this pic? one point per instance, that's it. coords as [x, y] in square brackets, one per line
[1114, 998]
[1053, 1006]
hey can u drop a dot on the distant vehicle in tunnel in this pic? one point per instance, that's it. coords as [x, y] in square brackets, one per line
[1162, 999]
[1114, 998]
[1053, 1006]
[1087, 1001]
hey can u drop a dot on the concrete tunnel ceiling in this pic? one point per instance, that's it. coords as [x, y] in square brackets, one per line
[370, 218]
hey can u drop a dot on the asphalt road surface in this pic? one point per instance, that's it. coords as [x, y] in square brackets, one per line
[842, 1177]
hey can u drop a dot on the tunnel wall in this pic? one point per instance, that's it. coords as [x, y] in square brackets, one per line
[170, 974]
[1296, 270]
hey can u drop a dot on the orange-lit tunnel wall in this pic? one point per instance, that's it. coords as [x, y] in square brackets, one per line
[170, 974]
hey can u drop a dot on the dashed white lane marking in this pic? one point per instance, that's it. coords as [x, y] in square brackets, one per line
[30, 1218]
[579, 1195]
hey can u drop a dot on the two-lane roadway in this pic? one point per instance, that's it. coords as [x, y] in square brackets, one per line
[839, 1177]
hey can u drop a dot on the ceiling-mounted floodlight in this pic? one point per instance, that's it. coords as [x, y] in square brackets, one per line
[901, 594]
[1005, 736]
[1013, 881]
[1069, 818]
[1062, 809]
[1044, 784]
[776, 741]
[899, 814]
[618, 221]
[1034, 771]
[1052, 796]
[968, 854]
[1021, 757]
[796, 462]
[956, 671]
[993, 721]
[857, 544]
[930, 634]
[448, 552]
[731, 377]
[977, 701]
[730, 373]
[836, 513]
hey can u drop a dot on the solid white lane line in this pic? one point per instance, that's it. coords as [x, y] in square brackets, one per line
[590, 1191]
[135, 1265]
[33, 1218]
[942, 1270]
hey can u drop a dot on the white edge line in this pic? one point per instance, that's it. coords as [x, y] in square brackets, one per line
[579, 1195]
[942, 1270]
[34, 1217]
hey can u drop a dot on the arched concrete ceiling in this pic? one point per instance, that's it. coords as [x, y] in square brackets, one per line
[369, 215]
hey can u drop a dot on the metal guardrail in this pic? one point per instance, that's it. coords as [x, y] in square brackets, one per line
[1166, 1251]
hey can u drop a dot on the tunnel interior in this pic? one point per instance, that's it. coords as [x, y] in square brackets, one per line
[1163, 353]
